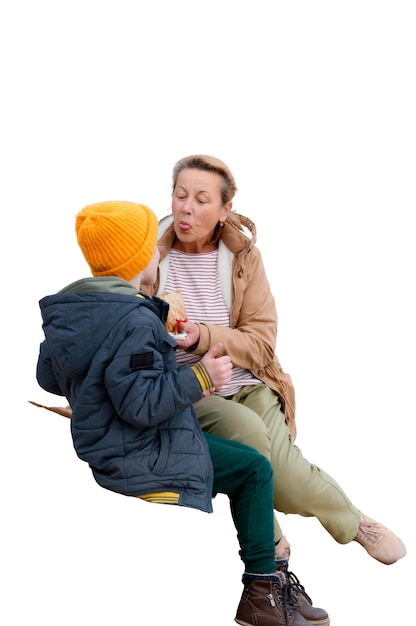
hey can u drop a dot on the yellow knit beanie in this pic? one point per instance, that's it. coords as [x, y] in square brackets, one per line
[117, 238]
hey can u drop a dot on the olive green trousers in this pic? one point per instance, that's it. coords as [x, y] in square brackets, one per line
[254, 417]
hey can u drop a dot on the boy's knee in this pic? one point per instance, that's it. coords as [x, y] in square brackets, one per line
[261, 465]
[265, 466]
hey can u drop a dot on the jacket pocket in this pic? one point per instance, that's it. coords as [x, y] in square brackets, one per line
[158, 464]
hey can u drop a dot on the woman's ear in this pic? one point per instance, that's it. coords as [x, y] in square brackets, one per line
[225, 212]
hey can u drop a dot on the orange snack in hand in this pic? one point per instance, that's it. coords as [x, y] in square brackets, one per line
[177, 311]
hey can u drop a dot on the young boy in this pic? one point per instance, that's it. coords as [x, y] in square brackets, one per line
[108, 352]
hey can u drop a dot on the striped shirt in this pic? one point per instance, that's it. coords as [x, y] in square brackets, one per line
[196, 276]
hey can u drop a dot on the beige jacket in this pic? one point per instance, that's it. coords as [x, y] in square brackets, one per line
[251, 338]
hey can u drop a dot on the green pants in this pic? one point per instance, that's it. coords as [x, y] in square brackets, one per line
[254, 417]
[246, 477]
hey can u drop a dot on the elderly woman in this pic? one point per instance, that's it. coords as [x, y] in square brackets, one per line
[208, 252]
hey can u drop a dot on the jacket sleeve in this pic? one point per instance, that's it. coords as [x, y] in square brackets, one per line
[251, 339]
[44, 371]
[143, 380]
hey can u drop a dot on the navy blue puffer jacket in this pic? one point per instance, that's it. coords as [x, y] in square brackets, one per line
[107, 351]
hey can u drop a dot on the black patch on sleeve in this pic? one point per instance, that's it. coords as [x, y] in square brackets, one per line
[141, 361]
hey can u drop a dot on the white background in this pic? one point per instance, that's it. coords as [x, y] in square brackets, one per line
[312, 104]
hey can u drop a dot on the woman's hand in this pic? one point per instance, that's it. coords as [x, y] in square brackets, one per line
[192, 334]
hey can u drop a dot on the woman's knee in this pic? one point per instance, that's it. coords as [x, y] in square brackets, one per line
[258, 439]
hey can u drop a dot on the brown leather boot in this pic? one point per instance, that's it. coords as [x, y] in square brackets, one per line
[268, 602]
[312, 614]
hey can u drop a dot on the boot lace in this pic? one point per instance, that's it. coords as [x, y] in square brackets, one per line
[368, 534]
[287, 598]
[294, 582]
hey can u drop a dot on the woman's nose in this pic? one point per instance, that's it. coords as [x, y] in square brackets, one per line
[187, 205]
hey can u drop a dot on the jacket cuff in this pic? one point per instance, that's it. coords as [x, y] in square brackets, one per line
[202, 346]
[202, 375]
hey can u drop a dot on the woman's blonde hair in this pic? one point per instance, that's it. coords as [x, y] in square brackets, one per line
[208, 163]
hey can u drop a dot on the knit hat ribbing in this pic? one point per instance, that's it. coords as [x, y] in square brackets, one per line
[117, 238]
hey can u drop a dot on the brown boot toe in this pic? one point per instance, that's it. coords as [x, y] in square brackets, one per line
[311, 613]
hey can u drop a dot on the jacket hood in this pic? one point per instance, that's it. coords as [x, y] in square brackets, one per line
[77, 319]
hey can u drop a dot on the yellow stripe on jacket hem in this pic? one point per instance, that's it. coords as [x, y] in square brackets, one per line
[161, 497]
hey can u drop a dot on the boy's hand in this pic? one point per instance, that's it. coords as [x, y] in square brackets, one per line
[219, 368]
